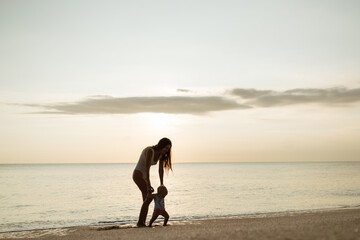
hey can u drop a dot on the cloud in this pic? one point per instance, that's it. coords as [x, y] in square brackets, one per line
[101, 104]
[250, 93]
[269, 98]
[183, 90]
[251, 98]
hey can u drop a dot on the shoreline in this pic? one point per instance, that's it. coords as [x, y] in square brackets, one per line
[335, 223]
[120, 224]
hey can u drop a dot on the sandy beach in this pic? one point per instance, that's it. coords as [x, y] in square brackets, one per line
[329, 224]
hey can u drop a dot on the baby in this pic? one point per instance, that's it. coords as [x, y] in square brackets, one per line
[159, 208]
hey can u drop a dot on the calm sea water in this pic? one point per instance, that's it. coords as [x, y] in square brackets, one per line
[47, 196]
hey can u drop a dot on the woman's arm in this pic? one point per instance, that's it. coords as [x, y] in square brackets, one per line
[161, 172]
[149, 155]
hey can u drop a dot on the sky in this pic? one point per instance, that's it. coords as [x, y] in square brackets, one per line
[90, 81]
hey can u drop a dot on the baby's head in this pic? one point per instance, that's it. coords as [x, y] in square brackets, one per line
[162, 191]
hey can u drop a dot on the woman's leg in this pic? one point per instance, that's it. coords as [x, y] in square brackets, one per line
[144, 211]
[140, 182]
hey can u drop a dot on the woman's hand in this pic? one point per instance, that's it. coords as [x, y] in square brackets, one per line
[150, 189]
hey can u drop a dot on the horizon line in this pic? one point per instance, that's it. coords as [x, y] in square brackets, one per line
[109, 163]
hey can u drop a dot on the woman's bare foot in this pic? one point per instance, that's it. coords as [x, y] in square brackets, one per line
[140, 225]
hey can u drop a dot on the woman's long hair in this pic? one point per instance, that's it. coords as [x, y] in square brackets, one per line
[166, 157]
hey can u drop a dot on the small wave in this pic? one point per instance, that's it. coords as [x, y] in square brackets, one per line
[123, 226]
[36, 233]
[23, 206]
[112, 222]
[349, 194]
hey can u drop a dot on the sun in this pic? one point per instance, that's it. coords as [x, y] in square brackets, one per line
[161, 121]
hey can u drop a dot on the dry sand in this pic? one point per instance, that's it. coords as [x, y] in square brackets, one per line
[331, 224]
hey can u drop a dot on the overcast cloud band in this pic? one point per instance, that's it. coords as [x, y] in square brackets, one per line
[269, 98]
[131, 105]
[235, 99]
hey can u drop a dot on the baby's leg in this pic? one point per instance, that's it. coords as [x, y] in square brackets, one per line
[153, 218]
[166, 216]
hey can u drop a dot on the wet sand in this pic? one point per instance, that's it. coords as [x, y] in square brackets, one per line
[330, 224]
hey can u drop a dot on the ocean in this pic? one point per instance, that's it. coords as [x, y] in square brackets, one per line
[66, 195]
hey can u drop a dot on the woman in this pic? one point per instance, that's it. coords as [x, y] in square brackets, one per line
[150, 156]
